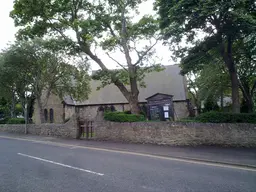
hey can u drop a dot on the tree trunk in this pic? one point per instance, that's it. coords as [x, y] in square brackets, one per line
[235, 92]
[40, 110]
[131, 96]
[247, 95]
[228, 59]
[13, 105]
[250, 106]
[134, 97]
[134, 105]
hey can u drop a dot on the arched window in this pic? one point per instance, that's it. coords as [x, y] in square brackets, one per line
[51, 116]
[45, 115]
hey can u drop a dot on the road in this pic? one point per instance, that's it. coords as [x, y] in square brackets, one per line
[27, 166]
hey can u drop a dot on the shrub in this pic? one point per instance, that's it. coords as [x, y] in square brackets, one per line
[15, 121]
[3, 121]
[220, 117]
[123, 117]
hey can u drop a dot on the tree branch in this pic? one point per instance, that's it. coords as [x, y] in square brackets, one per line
[117, 62]
[111, 30]
[144, 53]
[58, 30]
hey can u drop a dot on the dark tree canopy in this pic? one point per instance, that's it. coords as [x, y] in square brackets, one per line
[221, 22]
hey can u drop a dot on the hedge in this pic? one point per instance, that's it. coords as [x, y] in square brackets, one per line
[15, 121]
[3, 121]
[123, 117]
[220, 117]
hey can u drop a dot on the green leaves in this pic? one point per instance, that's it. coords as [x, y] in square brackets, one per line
[231, 18]
[212, 28]
[84, 24]
[38, 66]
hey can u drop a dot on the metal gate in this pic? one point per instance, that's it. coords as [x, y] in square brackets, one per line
[86, 129]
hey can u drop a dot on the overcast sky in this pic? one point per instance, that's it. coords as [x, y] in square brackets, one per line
[7, 34]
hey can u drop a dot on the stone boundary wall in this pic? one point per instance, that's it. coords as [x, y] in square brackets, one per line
[67, 130]
[178, 133]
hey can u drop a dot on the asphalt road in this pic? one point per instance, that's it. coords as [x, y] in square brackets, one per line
[33, 167]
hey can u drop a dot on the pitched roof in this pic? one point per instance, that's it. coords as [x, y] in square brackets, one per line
[155, 95]
[168, 81]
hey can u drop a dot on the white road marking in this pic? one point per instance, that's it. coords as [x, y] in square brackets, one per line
[60, 164]
[179, 159]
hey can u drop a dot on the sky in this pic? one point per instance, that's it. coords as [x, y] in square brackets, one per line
[8, 30]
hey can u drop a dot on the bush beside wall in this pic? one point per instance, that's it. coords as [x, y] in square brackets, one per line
[13, 121]
[220, 117]
[16, 121]
[123, 117]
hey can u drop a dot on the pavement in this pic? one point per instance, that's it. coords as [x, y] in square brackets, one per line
[45, 164]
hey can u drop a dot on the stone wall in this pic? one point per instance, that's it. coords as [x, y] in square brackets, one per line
[67, 130]
[175, 133]
[180, 109]
[53, 102]
[70, 110]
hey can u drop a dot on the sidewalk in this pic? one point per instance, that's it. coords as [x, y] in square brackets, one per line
[235, 156]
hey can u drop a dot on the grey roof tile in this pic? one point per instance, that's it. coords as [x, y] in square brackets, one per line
[168, 81]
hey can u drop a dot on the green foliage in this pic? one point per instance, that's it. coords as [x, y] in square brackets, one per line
[222, 23]
[210, 104]
[219, 117]
[13, 121]
[18, 109]
[4, 107]
[3, 121]
[35, 67]
[123, 117]
[232, 18]
[107, 25]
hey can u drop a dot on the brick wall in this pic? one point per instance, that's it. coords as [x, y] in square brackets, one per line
[67, 130]
[178, 133]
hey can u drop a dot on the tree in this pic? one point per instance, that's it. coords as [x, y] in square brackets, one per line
[222, 22]
[106, 25]
[245, 57]
[213, 83]
[208, 83]
[212, 77]
[8, 78]
[40, 72]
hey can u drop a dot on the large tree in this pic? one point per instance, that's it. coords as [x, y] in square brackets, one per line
[222, 23]
[104, 25]
[245, 57]
[40, 71]
[12, 81]
[208, 82]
